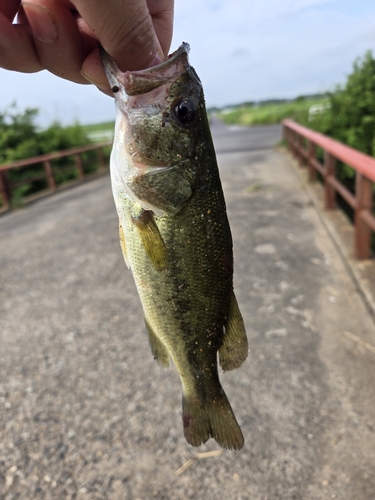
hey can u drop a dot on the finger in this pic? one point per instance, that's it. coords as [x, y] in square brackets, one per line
[60, 45]
[17, 50]
[161, 12]
[92, 70]
[125, 30]
[56, 37]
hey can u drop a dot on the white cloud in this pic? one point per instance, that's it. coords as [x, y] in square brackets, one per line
[286, 49]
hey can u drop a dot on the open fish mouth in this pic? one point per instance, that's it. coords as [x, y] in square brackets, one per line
[134, 83]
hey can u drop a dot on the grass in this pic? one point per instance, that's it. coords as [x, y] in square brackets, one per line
[267, 114]
[95, 127]
[100, 132]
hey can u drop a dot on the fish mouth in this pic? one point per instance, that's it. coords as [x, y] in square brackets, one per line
[135, 83]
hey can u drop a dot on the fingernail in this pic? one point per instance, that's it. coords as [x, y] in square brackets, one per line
[103, 86]
[157, 59]
[41, 22]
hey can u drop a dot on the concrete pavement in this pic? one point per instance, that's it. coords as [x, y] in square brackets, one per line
[86, 413]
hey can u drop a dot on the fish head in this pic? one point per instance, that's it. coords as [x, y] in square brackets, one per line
[161, 128]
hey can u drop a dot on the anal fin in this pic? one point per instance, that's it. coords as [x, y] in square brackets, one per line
[234, 349]
[158, 349]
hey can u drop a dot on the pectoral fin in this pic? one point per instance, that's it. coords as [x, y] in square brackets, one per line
[234, 348]
[123, 244]
[158, 349]
[151, 239]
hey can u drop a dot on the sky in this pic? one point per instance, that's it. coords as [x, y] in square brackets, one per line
[243, 50]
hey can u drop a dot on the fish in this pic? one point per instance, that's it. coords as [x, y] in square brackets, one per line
[175, 236]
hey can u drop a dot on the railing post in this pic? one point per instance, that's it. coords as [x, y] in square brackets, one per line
[49, 174]
[300, 150]
[330, 171]
[81, 173]
[288, 137]
[294, 143]
[5, 188]
[362, 232]
[311, 155]
[290, 141]
[101, 158]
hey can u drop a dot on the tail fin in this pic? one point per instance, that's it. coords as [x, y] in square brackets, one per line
[211, 419]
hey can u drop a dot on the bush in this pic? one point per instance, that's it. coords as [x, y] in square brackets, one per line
[351, 116]
[17, 134]
[20, 138]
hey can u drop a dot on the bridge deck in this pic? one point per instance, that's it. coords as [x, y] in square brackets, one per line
[85, 412]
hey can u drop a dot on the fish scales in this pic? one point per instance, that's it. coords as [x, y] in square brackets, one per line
[176, 238]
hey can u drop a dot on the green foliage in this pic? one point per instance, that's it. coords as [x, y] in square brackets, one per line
[351, 117]
[353, 107]
[266, 114]
[56, 137]
[20, 138]
[95, 127]
[351, 120]
[17, 130]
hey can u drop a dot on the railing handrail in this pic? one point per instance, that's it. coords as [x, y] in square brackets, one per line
[361, 162]
[45, 160]
[303, 142]
[52, 156]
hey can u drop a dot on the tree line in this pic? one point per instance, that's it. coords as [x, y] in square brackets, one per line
[21, 138]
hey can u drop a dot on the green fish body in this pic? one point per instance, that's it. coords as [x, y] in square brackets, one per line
[176, 238]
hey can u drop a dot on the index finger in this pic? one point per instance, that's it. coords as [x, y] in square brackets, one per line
[125, 29]
[17, 51]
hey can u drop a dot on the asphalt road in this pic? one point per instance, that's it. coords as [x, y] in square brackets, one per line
[86, 413]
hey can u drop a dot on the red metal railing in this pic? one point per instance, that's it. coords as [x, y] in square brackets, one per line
[302, 143]
[7, 187]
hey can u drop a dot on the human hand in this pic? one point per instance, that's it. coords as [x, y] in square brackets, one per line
[63, 36]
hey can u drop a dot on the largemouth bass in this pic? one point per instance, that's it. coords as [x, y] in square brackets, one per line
[175, 236]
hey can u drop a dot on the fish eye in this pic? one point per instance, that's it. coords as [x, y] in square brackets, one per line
[185, 111]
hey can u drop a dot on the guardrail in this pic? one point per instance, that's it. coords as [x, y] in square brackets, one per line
[302, 143]
[49, 173]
